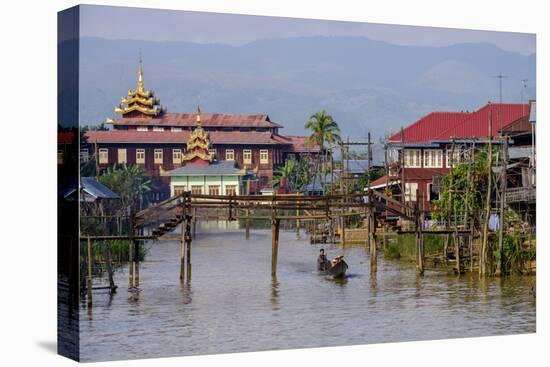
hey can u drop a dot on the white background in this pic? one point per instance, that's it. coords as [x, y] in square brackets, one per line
[28, 187]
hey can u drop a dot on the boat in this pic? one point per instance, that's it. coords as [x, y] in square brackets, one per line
[338, 270]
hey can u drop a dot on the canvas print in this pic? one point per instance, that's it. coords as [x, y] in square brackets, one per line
[233, 183]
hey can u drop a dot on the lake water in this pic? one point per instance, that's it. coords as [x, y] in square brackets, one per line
[232, 303]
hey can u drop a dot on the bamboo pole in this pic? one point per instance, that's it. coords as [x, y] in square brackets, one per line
[89, 283]
[182, 244]
[503, 186]
[247, 224]
[274, 245]
[188, 238]
[112, 285]
[131, 250]
[373, 254]
[485, 240]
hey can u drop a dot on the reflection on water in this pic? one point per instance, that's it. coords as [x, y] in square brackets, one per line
[234, 304]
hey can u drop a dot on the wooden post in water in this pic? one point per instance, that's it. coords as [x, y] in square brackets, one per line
[298, 222]
[112, 285]
[274, 245]
[89, 278]
[503, 184]
[182, 246]
[373, 254]
[247, 224]
[136, 263]
[419, 243]
[131, 249]
[188, 239]
[194, 222]
[485, 238]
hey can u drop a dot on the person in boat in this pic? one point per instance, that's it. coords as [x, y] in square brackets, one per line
[322, 262]
[337, 260]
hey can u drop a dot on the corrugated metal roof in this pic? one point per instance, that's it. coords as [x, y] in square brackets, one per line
[96, 189]
[429, 126]
[207, 120]
[213, 169]
[520, 152]
[444, 126]
[477, 124]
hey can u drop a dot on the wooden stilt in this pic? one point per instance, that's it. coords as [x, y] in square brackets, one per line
[89, 278]
[188, 246]
[182, 250]
[373, 249]
[112, 285]
[297, 223]
[131, 250]
[419, 245]
[274, 245]
[247, 224]
[136, 263]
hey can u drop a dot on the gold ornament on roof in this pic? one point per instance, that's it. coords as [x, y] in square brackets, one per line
[198, 143]
[140, 99]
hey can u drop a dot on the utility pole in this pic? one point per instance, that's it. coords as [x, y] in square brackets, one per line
[500, 77]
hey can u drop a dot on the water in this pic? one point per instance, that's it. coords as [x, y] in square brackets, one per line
[234, 305]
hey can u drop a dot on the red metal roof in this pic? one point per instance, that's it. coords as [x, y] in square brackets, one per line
[465, 125]
[477, 125]
[216, 137]
[207, 120]
[429, 126]
[299, 143]
[518, 126]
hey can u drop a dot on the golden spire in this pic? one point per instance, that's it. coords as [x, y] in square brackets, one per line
[140, 74]
[198, 115]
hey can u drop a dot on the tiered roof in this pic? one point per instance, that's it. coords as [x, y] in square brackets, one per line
[139, 101]
[198, 144]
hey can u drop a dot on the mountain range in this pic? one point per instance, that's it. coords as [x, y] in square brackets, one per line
[365, 84]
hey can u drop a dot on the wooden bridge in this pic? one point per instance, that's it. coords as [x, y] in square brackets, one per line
[186, 209]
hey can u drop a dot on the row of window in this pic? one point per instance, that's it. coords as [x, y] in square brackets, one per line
[433, 158]
[179, 129]
[177, 155]
[411, 189]
[212, 189]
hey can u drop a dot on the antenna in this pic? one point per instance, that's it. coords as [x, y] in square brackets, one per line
[500, 77]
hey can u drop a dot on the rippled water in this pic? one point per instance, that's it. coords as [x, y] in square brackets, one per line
[234, 305]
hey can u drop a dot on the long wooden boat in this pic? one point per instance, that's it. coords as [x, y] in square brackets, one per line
[338, 270]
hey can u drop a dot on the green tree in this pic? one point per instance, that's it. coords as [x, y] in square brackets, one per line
[324, 129]
[129, 182]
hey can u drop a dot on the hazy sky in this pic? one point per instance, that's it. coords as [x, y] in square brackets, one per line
[172, 25]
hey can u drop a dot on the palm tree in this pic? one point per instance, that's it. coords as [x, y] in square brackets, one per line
[323, 130]
[129, 182]
[284, 172]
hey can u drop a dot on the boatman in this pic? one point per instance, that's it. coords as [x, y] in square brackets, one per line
[322, 262]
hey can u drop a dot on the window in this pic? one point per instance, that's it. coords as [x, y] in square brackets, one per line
[176, 156]
[432, 194]
[158, 128]
[410, 191]
[264, 156]
[231, 190]
[196, 189]
[229, 155]
[456, 157]
[103, 156]
[212, 152]
[179, 189]
[140, 156]
[413, 158]
[59, 157]
[122, 156]
[84, 155]
[433, 158]
[213, 190]
[175, 129]
[247, 156]
[142, 128]
[158, 156]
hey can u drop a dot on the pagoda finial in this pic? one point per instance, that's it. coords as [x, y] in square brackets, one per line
[140, 73]
[198, 114]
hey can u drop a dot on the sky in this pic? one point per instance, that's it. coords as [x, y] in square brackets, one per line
[170, 25]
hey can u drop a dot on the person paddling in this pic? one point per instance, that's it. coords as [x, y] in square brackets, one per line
[322, 262]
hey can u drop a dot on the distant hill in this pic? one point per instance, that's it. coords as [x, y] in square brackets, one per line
[365, 84]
